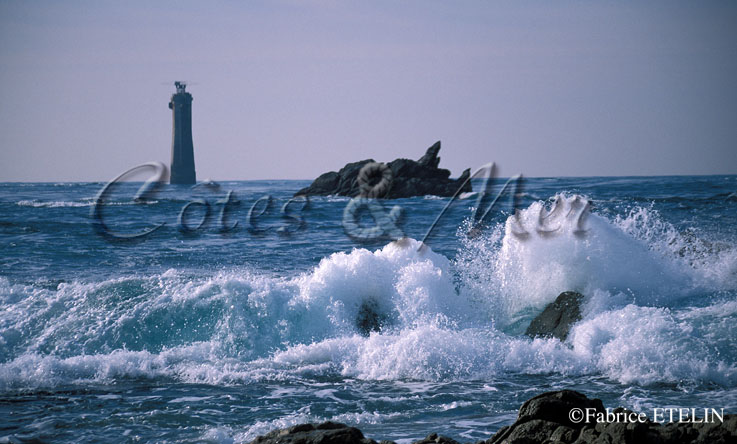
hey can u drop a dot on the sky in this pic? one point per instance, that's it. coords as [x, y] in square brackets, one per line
[291, 89]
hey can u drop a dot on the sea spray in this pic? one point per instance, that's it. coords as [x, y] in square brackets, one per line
[222, 336]
[442, 320]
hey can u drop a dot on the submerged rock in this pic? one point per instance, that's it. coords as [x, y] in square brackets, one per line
[409, 178]
[368, 318]
[558, 317]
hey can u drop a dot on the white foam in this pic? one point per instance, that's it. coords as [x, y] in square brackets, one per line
[522, 275]
[710, 264]
[53, 204]
[647, 345]
[74, 204]
[442, 320]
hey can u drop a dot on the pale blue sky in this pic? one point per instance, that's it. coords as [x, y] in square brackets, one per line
[290, 89]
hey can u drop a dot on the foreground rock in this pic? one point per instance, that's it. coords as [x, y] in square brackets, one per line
[332, 433]
[558, 317]
[325, 433]
[543, 419]
[410, 178]
[546, 418]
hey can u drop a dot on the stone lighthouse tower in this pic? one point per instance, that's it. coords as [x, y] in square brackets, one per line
[182, 149]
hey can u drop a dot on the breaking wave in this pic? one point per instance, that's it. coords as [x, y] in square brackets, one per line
[660, 307]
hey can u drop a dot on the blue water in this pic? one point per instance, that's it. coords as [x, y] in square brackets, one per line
[213, 335]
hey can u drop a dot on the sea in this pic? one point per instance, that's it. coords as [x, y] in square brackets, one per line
[218, 312]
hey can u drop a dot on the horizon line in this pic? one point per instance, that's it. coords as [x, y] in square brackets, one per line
[309, 180]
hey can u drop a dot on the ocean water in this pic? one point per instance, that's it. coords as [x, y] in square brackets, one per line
[211, 334]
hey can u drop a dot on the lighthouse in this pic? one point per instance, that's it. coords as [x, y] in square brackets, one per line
[182, 149]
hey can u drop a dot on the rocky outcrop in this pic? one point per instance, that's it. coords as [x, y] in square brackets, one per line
[332, 433]
[325, 433]
[546, 416]
[410, 178]
[544, 419]
[547, 419]
[434, 438]
[558, 317]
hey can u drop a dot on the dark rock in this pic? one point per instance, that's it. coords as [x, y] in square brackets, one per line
[532, 431]
[558, 317]
[410, 178]
[430, 158]
[587, 435]
[563, 434]
[325, 433]
[326, 182]
[717, 433]
[368, 318]
[554, 407]
[435, 438]
[544, 419]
